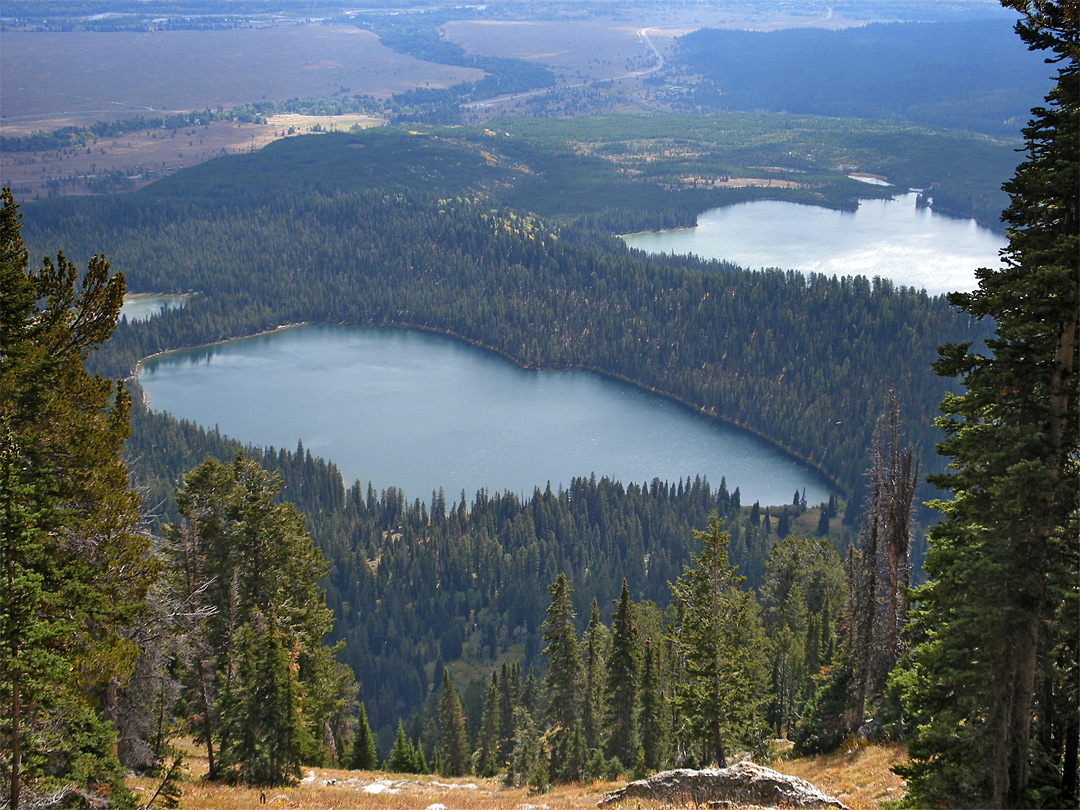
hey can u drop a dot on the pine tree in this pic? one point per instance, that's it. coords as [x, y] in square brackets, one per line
[592, 709]
[528, 759]
[364, 756]
[654, 710]
[718, 646]
[486, 757]
[988, 685]
[563, 684]
[262, 734]
[509, 689]
[454, 753]
[803, 584]
[402, 757]
[239, 555]
[74, 569]
[621, 691]
[416, 755]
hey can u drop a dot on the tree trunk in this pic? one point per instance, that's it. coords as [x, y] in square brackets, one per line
[16, 748]
[1070, 759]
[1026, 653]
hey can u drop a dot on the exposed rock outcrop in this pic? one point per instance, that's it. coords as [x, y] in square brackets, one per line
[742, 785]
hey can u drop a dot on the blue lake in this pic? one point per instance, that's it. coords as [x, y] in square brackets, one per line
[142, 306]
[421, 411]
[891, 238]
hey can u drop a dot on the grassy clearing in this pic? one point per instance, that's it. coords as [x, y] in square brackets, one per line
[143, 156]
[330, 123]
[860, 778]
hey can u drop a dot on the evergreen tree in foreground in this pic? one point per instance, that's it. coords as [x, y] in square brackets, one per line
[246, 563]
[262, 736]
[402, 757]
[654, 710]
[993, 683]
[74, 571]
[364, 756]
[563, 685]
[592, 712]
[486, 756]
[719, 689]
[622, 683]
[454, 753]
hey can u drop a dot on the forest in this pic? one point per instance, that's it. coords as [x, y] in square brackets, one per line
[162, 579]
[917, 72]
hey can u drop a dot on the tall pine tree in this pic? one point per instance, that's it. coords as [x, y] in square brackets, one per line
[993, 685]
[718, 645]
[74, 569]
[563, 684]
[454, 755]
[622, 683]
[364, 756]
[592, 713]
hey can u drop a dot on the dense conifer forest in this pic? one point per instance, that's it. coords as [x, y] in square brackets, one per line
[160, 578]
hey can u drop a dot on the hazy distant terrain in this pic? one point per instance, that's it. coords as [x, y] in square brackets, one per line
[109, 75]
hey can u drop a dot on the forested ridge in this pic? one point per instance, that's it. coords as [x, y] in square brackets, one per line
[920, 72]
[806, 362]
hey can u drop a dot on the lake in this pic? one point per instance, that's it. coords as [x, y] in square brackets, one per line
[141, 306]
[421, 411]
[891, 238]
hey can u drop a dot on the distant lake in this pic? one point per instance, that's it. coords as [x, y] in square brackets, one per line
[141, 306]
[421, 411]
[891, 238]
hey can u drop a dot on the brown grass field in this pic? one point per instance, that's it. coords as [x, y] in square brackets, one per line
[860, 778]
[95, 76]
[147, 155]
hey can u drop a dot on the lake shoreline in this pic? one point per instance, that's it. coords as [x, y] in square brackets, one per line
[707, 413]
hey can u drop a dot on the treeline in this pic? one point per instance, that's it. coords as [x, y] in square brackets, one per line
[66, 137]
[960, 75]
[640, 687]
[418, 583]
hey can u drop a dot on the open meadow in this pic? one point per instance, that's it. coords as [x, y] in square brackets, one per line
[46, 77]
[135, 159]
[860, 778]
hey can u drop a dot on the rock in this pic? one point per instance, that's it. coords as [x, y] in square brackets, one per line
[870, 730]
[742, 784]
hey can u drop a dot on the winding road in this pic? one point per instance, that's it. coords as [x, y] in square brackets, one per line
[643, 35]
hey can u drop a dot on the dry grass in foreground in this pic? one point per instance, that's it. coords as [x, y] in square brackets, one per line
[861, 779]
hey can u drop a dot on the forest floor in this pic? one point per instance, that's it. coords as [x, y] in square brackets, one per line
[860, 778]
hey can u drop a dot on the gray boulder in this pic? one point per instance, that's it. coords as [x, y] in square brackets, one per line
[741, 785]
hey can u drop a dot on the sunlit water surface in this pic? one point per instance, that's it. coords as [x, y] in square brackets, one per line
[891, 238]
